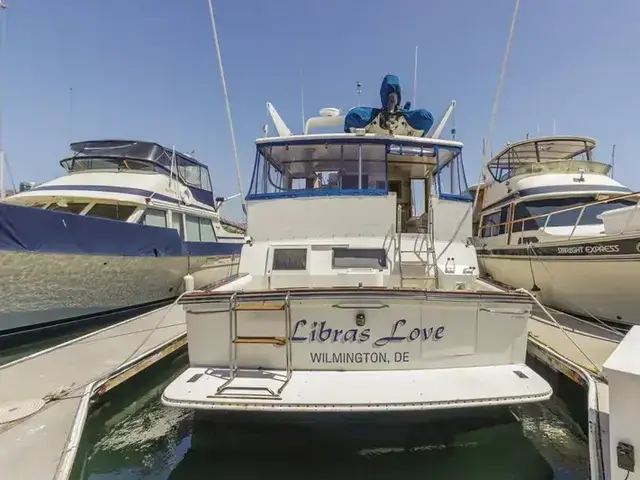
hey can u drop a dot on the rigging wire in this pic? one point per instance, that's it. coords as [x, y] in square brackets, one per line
[496, 101]
[226, 99]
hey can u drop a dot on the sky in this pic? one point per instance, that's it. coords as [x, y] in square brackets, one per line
[147, 70]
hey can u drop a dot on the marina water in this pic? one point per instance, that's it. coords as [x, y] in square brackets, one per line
[131, 435]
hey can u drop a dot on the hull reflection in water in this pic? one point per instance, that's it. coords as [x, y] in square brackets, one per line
[134, 437]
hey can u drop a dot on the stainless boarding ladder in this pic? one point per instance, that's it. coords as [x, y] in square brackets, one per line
[430, 264]
[235, 340]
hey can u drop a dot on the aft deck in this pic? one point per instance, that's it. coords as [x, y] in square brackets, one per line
[359, 391]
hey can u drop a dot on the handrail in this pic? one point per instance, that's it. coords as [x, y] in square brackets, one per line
[510, 223]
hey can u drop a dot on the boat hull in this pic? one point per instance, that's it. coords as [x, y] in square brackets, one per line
[356, 351]
[586, 284]
[43, 288]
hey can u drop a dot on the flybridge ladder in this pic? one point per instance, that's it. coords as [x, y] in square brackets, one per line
[235, 340]
[428, 265]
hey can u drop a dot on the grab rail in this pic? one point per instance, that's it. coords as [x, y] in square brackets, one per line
[510, 224]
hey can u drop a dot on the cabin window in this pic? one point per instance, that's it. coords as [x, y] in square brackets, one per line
[200, 229]
[176, 223]
[489, 222]
[359, 258]
[154, 218]
[567, 218]
[111, 211]
[504, 218]
[289, 259]
[71, 207]
[206, 230]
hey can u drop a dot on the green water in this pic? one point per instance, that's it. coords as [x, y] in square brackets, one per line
[133, 436]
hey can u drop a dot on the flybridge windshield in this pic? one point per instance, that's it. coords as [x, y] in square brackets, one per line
[319, 169]
[136, 155]
[352, 167]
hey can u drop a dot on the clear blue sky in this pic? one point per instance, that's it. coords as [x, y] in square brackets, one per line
[146, 69]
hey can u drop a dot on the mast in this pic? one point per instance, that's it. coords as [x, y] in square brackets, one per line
[3, 36]
[226, 99]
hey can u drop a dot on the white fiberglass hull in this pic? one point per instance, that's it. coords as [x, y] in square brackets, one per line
[604, 287]
[41, 288]
[408, 350]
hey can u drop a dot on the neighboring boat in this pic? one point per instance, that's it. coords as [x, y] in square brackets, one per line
[121, 229]
[551, 219]
[358, 289]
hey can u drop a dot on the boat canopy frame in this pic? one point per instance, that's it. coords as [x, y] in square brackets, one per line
[357, 164]
[552, 149]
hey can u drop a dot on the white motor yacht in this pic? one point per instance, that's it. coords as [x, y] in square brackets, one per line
[357, 289]
[551, 219]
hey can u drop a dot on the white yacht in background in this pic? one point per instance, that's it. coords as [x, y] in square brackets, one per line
[551, 219]
[122, 228]
[357, 289]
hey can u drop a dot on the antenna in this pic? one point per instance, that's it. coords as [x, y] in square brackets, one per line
[302, 100]
[496, 100]
[3, 37]
[415, 77]
[358, 91]
[226, 98]
[613, 159]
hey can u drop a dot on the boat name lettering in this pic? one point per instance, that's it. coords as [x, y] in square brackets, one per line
[588, 249]
[320, 333]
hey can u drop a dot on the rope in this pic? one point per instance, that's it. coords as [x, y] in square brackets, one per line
[561, 327]
[226, 99]
[603, 324]
[496, 100]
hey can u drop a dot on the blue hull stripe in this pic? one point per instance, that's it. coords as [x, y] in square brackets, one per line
[27, 229]
[570, 189]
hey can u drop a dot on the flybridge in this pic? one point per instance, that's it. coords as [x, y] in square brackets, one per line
[357, 160]
[391, 119]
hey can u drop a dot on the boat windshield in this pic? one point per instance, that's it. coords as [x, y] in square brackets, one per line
[565, 166]
[564, 212]
[82, 164]
[324, 168]
[192, 174]
[315, 169]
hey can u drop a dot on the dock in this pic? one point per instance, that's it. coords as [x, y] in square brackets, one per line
[45, 397]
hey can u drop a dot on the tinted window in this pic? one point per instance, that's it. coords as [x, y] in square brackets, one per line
[289, 259]
[200, 229]
[206, 230]
[490, 224]
[193, 229]
[176, 223]
[71, 207]
[113, 212]
[359, 258]
[154, 218]
[541, 208]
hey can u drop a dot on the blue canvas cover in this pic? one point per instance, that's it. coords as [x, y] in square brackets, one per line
[29, 229]
[391, 99]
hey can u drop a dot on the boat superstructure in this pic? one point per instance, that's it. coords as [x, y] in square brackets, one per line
[550, 218]
[123, 227]
[357, 288]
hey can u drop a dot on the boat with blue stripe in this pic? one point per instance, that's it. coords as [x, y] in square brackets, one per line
[122, 228]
